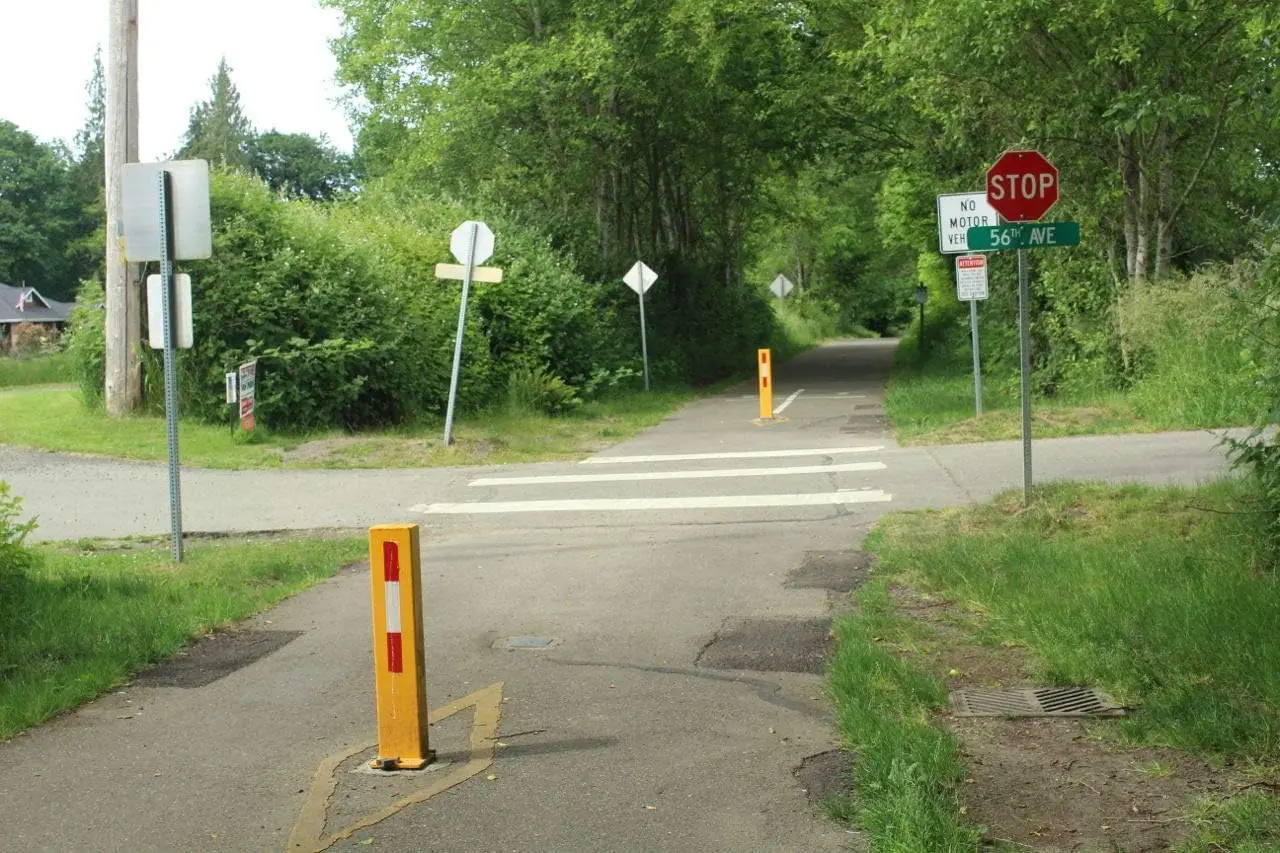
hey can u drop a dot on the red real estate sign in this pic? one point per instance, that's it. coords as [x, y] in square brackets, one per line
[1022, 186]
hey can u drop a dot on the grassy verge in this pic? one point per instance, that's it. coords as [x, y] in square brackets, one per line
[41, 370]
[76, 621]
[55, 419]
[906, 770]
[933, 404]
[1167, 599]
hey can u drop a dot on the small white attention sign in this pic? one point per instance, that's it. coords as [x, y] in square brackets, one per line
[971, 277]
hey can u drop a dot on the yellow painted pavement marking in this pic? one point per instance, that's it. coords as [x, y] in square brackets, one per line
[308, 832]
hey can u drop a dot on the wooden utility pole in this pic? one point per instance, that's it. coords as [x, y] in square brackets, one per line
[124, 303]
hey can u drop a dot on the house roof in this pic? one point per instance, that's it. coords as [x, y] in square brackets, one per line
[35, 308]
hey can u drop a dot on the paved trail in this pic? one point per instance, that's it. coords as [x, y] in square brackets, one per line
[680, 578]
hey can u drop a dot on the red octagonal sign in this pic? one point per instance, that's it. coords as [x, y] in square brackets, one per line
[1022, 186]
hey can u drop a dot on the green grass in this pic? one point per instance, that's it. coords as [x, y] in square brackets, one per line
[907, 769]
[55, 419]
[1129, 588]
[39, 370]
[1190, 366]
[934, 405]
[1164, 598]
[78, 622]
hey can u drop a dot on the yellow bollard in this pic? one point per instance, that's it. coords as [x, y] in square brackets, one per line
[766, 385]
[398, 644]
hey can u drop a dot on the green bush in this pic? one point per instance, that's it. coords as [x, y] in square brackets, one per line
[539, 390]
[86, 342]
[14, 558]
[1190, 350]
[1259, 453]
[341, 307]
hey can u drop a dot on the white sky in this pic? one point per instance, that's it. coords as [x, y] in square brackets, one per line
[278, 51]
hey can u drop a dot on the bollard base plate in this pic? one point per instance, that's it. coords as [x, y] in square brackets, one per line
[392, 764]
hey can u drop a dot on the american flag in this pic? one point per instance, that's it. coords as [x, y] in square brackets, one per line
[24, 296]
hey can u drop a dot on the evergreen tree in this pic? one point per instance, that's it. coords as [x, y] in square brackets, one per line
[88, 179]
[219, 131]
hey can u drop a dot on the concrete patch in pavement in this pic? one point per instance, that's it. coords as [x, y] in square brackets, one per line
[324, 812]
[835, 571]
[215, 657]
[772, 645]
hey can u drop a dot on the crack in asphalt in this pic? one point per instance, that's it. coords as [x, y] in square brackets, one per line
[766, 690]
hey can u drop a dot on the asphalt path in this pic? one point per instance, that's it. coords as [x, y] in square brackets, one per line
[676, 697]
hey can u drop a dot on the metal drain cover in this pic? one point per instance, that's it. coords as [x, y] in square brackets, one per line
[1033, 702]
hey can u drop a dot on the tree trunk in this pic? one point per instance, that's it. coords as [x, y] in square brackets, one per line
[1165, 201]
[1142, 249]
[1130, 175]
[1117, 282]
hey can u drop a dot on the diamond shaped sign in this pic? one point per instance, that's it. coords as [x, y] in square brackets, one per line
[640, 278]
[781, 286]
[460, 242]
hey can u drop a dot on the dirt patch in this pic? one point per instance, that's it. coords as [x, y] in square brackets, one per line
[772, 645]
[1052, 785]
[215, 657]
[824, 775]
[330, 450]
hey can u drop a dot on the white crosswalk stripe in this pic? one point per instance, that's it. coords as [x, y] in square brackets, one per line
[819, 491]
[750, 454]
[633, 504]
[642, 476]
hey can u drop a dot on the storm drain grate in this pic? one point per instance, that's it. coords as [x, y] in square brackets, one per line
[1033, 702]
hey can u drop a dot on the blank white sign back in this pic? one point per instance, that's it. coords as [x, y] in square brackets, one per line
[179, 312]
[188, 208]
[460, 242]
[640, 276]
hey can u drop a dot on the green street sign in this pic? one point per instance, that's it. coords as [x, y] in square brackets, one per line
[1024, 235]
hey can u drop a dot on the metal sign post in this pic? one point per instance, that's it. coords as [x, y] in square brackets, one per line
[468, 261]
[640, 278]
[166, 219]
[644, 335]
[471, 243]
[1024, 349]
[971, 285]
[170, 363]
[977, 360]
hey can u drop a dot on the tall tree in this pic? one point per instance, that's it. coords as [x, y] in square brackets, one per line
[39, 214]
[88, 176]
[218, 130]
[299, 165]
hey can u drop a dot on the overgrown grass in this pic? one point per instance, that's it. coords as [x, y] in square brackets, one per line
[1187, 362]
[37, 370]
[932, 403]
[1164, 598]
[77, 622]
[55, 419]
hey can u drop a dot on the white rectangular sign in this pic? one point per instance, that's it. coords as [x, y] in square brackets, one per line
[232, 395]
[971, 277]
[179, 312]
[957, 213]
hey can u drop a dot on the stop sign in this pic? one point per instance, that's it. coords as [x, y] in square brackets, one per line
[1022, 186]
